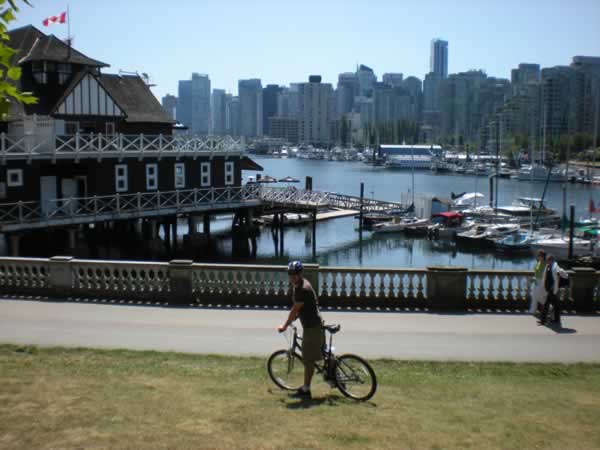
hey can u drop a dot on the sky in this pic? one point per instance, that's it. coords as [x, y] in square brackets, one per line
[283, 42]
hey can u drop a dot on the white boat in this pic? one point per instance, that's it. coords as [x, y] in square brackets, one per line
[398, 225]
[448, 224]
[559, 247]
[408, 162]
[538, 172]
[468, 200]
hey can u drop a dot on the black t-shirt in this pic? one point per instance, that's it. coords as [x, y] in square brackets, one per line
[310, 316]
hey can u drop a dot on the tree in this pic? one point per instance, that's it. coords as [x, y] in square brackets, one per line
[9, 74]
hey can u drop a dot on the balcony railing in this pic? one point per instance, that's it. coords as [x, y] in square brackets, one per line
[80, 146]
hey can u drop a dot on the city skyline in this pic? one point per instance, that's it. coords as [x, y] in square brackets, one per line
[281, 51]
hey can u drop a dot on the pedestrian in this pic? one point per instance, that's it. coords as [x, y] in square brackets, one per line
[538, 292]
[551, 283]
[306, 307]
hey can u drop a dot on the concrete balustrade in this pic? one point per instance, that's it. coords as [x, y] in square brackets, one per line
[183, 282]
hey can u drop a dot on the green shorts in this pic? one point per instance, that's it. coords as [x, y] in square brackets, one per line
[312, 343]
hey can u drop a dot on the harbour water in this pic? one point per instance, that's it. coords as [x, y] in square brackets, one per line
[338, 242]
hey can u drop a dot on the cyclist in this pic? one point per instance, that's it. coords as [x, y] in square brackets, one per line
[306, 307]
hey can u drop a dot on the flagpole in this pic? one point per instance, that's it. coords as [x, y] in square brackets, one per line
[68, 32]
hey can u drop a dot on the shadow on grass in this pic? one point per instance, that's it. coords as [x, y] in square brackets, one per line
[328, 400]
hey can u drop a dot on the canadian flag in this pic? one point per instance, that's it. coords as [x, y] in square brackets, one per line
[61, 18]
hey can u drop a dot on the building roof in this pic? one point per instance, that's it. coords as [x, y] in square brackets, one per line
[33, 45]
[135, 98]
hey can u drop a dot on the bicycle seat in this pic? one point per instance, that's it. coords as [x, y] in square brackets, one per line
[333, 328]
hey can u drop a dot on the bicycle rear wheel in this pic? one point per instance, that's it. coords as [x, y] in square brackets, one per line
[286, 370]
[354, 377]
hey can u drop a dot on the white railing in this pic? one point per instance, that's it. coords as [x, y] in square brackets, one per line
[372, 284]
[185, 282]
[79, 146]
[116, 279]
[30, 275]
[138, 203]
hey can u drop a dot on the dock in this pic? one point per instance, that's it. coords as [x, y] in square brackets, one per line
[336, 214]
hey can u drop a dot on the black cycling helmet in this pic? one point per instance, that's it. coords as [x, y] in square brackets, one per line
[295, 267]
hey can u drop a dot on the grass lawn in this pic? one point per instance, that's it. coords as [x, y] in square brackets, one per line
[94, 399]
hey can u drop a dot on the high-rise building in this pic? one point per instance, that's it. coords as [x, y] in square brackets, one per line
[218, 111]
[559, 100]
[431, 92]
[347, 89]
[232, 115]
[314, 111]
[200, 103]
[414, 87]
[169, 105]
[392, 79]
[184, 103]
[251, 105]
[587, 95]
[366, 78]
[270, 102]
[439, 58]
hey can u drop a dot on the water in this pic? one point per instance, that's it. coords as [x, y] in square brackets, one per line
[338, 241]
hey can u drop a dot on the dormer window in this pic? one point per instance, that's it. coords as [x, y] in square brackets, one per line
[64, 73]
[39, 72]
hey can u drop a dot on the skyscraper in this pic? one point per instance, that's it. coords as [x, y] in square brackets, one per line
[200, 103]
[218, 104]
[184, 103]
[232, 115]
[270, 98]
[439, 58]
[366, 79]
[314, 110]
[251, 105]
[392, 79]
[347, 89]
[169, 104]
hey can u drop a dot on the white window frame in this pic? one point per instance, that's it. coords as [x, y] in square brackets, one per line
[229, 173]
[179, 178]
[121, 177]
[205, 174]
[151, 178]
[18, 182]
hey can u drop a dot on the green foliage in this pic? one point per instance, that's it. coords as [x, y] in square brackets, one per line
[9, 74]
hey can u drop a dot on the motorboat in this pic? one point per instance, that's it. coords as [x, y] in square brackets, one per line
[559, 247]
[468, 200]
[498, 231]
[448, 224]
[398, 225]
[516, 242]
[473, 236]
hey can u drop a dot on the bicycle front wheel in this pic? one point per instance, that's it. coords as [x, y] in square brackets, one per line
[286, 369]
[355, 378]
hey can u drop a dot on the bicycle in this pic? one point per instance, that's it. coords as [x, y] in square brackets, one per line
[351, 374]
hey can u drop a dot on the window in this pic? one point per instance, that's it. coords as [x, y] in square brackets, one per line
[71, 127]
[64, 73]
[110, 128]
[121, 178]
[40, 73]
[205, 174]
[14, 177]
[229, 178]
[179, 175]
[151, 177]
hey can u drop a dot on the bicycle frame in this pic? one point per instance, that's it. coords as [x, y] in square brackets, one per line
[328, 356]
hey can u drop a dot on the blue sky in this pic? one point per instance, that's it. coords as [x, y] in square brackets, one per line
[285, 41]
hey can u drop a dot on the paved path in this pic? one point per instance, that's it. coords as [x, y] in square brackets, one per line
[481, 337]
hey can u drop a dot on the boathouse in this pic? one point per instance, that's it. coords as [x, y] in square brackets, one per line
[99, 147]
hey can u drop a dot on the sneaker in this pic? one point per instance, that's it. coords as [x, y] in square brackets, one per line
[302, 394]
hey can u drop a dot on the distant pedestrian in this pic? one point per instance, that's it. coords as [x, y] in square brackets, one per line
[551, 284]
[538, 292]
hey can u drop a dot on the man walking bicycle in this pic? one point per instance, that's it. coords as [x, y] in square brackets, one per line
[306, 307]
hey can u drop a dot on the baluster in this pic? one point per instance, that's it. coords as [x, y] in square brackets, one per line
[382, 289]
[470, 288]
[401, 287]
[490, 291]
[420, 286]
[411, 286]
[480, 288]
[343, 285]
[510, 281]
[324, 279]
[361, 285]
[372, 291]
